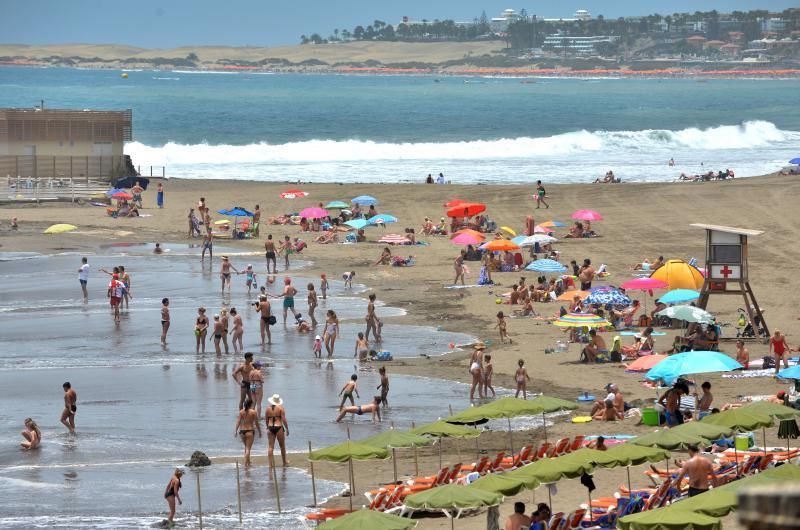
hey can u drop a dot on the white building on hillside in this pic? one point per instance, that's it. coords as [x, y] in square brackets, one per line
[500, 24]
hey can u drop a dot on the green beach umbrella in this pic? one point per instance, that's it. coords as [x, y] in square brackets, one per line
[774, 410]
[630, 455]
[393, 439]
[337, 205]
[667, 439]
[708, 431]
[550, 470]
[452, 499]
[552, 404]
[507, 407]
[441, 429]
[739, 420]
[347, 452]
[368, 520]
[504, 484]
[673, 519]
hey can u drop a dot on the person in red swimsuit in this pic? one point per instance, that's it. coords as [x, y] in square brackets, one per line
[778, 346]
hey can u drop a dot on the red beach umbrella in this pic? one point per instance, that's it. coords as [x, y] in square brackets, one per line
[467, 209]
[293, 194]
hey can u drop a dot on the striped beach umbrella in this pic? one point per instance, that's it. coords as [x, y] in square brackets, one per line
[293, 194]
[394, 239]
[546, 265]
[581, 320]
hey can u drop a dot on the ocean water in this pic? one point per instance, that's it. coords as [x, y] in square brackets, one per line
[397, 129]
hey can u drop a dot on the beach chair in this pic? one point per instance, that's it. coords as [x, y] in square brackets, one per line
[556, 521]
[393, 501]
[496, 463]
[517, 461]
[574, 519]
[542, 452]
[559, 448]
[576, 444]
[479, 467]
[377, 502]
[765, 462]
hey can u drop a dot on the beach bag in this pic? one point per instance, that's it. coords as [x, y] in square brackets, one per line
[769, 362]
[272, 320]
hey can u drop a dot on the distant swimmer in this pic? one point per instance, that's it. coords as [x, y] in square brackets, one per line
[671, 162]
[374, 408]
[32, 435]
[70, 407]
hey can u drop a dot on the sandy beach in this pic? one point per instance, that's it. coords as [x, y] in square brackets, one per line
[640, 221]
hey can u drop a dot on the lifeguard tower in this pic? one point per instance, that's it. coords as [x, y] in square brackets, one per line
[726, 270]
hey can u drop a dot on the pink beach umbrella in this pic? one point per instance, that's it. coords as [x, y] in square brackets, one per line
[314, 213]
[465, 239]
[541, 230]
[644, 284]
[587, 215]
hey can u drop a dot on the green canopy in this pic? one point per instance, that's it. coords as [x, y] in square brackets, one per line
[551, 404]
[550, 470]
[739, 419]
[347, 451]
[708, 431]
[452, 497]
[397, 439]
[668, 520]
[629, 455]
[766, 408]
[669, 439]
[504, 484]
[507, 407]
[443, 429]
[368, 520]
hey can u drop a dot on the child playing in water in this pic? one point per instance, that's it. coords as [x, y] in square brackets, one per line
[348, 279]
[251, 279]
[323, 286]
[501, 325]
[362, 348]
[384, 386]
[348, 390]
[318, 346]
[488, 371]
[521, 377]
[32, 435]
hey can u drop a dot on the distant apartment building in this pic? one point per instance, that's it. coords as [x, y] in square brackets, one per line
[773, 25]
[507, 17]
[580, 14]
[575, 44]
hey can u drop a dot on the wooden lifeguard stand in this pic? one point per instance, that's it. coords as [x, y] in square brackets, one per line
[726, 270]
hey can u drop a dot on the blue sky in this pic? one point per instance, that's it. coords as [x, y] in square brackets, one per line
[170, 23]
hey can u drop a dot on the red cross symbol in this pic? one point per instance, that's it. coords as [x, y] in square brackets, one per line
[725, 271]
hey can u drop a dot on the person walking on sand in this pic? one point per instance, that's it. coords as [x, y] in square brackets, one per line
[269, 254]
[374, 408]
[277, 428]
[164, 320]
[200, 330]
[347, 391]
[312, 304]
[476, 370]
[237, 332]
[245, 428]
[265, 310]
[242, 377]
[778, 347]
[362, 348]
[225, 273]
[172, 493]
[208, 244]
[286, 250]
[70, 407]
[289, 291]
[83, 277]
[373, 323]
[160, 195]
[521, 377]
[488, 372]
[540, 195]
[32, 435]
[257, 386]
[458, 265]
[331, 331]
[384, 386]
[501, 326]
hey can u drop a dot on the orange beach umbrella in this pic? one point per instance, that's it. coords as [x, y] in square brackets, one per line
[500, 245]
[466, 209]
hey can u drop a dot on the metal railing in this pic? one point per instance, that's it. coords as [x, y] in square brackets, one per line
[30, 189]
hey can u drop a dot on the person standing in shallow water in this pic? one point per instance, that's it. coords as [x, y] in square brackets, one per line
[70, 407]
[171, 494]
[83, 278]
[164, 320]
[245, 428]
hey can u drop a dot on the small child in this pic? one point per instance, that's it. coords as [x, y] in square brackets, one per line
[384, 386]
[323, 286]
[521, 377]
[488, 371]
[348, 279]
[347, 391]
[251, 278]
[501, 325]
[362, 348]
[318, 346]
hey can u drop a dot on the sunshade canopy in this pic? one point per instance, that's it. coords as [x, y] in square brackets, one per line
[358, 224]
[552, 404]
[500, 245]
[644, 284]
[453, 497]
[314, 213]
[679, 275]
[766, 408]
[678, 296]
[708, 431]
[364, 200]
[738, 419]
[546, 265]
[507, 407]
[629, 455]
[337, 205]
[348, 450]
[608, 296]
[368, 520]
[691, 362]
[396, 439]
[466, 209]
[667, 439]
[688, 313]
[587, 215]
[382, 218]
[672, 519]
[445, 430]
[504, 484]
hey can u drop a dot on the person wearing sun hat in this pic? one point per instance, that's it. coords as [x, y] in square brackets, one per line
[277, 428]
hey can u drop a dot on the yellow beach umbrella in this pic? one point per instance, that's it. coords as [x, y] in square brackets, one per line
[679, 275]
[222, 222]
[508, 231]
[60, 229]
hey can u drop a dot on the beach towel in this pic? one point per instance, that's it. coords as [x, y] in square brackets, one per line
[483, 277]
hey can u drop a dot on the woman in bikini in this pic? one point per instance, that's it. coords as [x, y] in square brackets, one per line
[225, 273]
[172, 493]
[32, 435]
[246, 425]
[458, 265]
[277, 428]
[476, 370]
[521, 377]
[362, 348]
[312, 303]
[372, 319]
[257, 386]
[331, 331]
[217, 334]
[264, 309]
[238, 331]
[201, 329]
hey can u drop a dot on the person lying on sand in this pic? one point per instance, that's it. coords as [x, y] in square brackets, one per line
[326, 237]
[374, 408]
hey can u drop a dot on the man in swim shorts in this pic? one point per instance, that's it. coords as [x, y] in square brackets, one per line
[269, 254]
[698, 469]
[242, 376]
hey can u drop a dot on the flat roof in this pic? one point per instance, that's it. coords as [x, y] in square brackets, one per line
[729, 229]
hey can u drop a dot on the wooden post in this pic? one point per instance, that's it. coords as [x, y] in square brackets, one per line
[416, 462]
[350, 479]
[199, 502]
[238, 492]
[394, 465]
[313, 482]
[277, 491]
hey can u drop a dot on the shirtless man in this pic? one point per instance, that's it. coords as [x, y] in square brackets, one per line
[289, 292]
[287, 250]
[208, 244]
[586, 275]
[518, 519]
[164, 320]
[705, 400]
[269, 254]
[70, 407]
[671, 401]
[242, 376]
[263, 307]
[373, 323]
[384, 386]
[697, 469]
[374, 408]
[225, 273]
[597, 345]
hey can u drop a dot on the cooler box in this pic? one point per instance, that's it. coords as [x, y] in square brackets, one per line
[744, 441]
[650, 417]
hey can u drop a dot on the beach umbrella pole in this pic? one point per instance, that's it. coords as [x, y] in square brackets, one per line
[238, 492]
[352, 485]
[416, 462]
[277, 491]
[544, 424]
[549, 498]
[440, 452]
[630, 489]
[394, 465]
[510, 437]
[764, 437]
[313, 482]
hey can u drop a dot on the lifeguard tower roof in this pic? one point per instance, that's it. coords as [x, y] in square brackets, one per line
[729, 229]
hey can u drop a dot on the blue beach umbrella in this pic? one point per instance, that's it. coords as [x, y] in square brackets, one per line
[795, 161]
[607, 296]
[358, 224]
[691, 362]
[112, 191]
[519, 239]
[236, 211]
[365, 200]
[546, 265]
[382, 218]
[679, 296]
[790, 373]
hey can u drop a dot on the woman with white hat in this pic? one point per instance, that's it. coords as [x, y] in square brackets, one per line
[277, 428]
